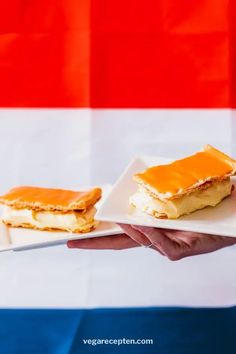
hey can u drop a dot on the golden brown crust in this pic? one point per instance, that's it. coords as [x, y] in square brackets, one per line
[156, 214]
[187, 175]
[150, 212]
[88, 228]
[47, 199]
[199, 188]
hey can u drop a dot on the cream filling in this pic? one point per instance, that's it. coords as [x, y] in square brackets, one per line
[71, 221]
[186, 204]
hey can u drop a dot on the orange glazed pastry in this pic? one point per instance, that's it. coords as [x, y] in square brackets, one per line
[50, 209]
[186, 185]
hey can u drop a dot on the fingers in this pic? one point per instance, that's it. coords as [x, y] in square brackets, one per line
[135, 235]
[138, 237]
[228, 241]
[158, 238]
[116, 242]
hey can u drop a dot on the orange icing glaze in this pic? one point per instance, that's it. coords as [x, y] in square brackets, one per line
[51, 197]
[185, 173]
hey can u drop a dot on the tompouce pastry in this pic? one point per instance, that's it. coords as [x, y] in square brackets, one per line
[186, 185]
[50, 209]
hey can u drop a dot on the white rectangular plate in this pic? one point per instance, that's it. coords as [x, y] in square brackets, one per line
[21, 239]
[219, 220]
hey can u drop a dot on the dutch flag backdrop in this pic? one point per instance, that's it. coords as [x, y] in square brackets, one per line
[85, 86]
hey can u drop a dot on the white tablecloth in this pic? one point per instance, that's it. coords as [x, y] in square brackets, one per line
[69, 148]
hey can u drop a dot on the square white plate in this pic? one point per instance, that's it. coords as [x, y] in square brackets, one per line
[21, 239]
[219, 220]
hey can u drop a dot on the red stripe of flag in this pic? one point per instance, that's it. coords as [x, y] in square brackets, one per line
[101, 53]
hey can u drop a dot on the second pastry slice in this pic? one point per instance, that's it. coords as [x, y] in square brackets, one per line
[50, 209]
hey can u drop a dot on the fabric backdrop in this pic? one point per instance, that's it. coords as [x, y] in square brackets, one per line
[102, 53]
[113, 54]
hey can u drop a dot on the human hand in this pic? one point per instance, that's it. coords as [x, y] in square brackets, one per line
[173, 244]
[176, 244]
